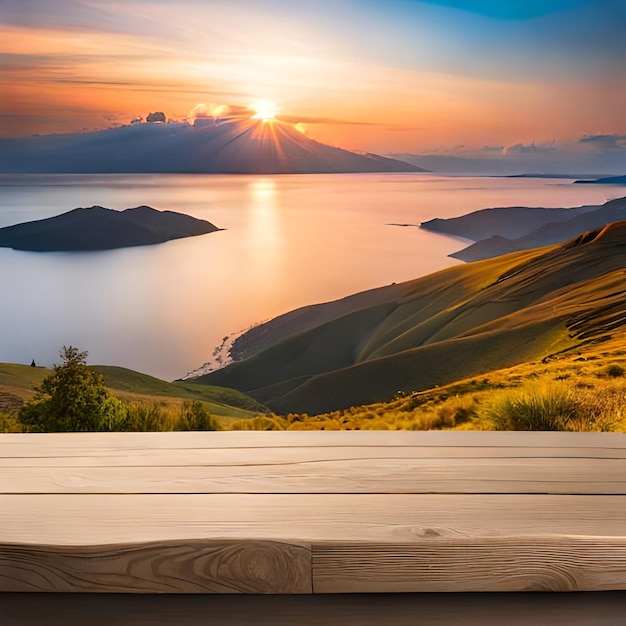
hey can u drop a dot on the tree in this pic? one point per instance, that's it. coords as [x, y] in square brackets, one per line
[72, 398]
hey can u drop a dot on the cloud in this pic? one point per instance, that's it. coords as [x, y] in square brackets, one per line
[604, 142]
[214, 111]
[463, 151]
[597, 154]
[303, 119]
[491, 149]
[589, 145]
[520, 148]
[531, 148]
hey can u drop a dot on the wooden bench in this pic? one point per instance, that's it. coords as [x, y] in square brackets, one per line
[314, 513]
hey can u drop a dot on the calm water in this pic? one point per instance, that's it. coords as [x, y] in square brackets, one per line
[289, 241]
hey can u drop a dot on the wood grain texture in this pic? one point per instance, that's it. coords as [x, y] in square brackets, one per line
[255, 512]
[352, 474]
[531, 563]
[378, 518]
[159, 567]
[15, 456]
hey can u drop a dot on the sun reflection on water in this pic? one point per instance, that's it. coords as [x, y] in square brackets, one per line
[265, 239]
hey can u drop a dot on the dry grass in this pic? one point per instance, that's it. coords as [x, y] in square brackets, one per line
[585, 390]
[581, 391]
[555, 406]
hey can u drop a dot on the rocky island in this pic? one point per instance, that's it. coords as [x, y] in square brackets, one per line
[99, 228]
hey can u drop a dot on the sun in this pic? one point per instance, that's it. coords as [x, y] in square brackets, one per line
[265, 110]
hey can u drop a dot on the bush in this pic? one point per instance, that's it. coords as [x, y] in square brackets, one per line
[142, 417]
[195, 416]
[614, 370]
[8, 424]
[72, 398]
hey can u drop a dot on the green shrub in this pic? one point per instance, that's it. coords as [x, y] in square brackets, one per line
[9, 424]
[195, 416]
[72, 398]
[142, 417]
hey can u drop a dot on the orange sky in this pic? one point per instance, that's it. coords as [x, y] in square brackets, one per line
[367, 75]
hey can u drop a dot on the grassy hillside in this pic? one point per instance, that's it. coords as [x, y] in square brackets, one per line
[582, 390]
[456, 324]
[531, 340]
[17, 383]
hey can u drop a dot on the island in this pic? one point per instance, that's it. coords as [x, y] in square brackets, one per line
[99, 228]
[502, 230]
[606, 180]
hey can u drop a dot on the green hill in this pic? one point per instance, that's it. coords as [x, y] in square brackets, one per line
[452, 325]
[17, 383]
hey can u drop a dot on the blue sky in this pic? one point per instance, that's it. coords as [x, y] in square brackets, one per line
[384, 76]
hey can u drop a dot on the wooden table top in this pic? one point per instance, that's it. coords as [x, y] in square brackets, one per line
[312, 512]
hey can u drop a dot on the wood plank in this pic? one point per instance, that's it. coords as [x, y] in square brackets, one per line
[278, 455]
[296, 518]
[384, 474]
[96, 444]
[346, 511]
[459, 565]
[159, 567]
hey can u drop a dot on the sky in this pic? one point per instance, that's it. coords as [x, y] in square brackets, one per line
[448, 77]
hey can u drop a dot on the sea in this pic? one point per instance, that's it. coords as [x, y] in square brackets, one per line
[287, 241]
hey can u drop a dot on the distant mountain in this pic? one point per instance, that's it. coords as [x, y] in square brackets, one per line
[503, 230]
[497, 161]
[607, 180]
[461, 322]
[248, 146]
[98, 228]
[557, 176]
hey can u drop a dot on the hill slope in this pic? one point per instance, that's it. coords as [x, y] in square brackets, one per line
[17, 383]
[503, 230]
[461, 322]
[98, 228]
[247, 146]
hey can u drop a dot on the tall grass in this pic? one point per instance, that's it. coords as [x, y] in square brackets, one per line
[554, 406]
[542, 406]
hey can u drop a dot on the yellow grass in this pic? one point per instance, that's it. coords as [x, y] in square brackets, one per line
[593, 381]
